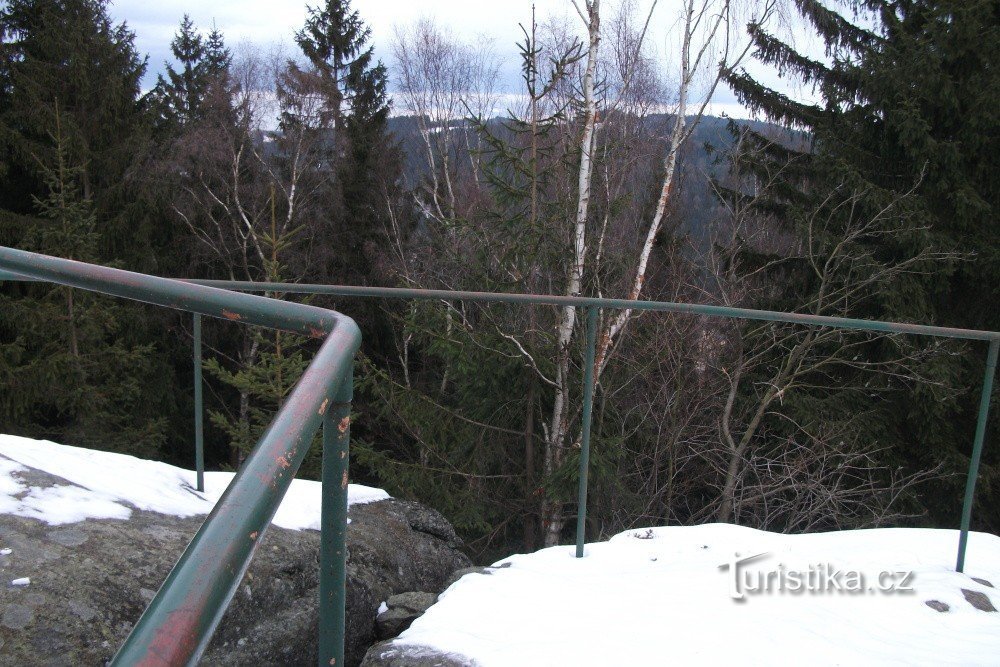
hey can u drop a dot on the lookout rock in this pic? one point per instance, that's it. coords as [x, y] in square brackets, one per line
[70, 593]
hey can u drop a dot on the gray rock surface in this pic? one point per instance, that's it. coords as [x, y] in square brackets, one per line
[937, 605]
[458, 574]
[980, 601]
[402, 610]
[90, 581]
[389, 654]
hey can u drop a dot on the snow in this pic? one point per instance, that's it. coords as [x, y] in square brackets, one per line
[105, 485]
[9, 485]
[658, 596]
[644, 597]
[382, 608]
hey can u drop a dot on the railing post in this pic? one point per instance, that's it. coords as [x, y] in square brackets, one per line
[199, 430]
[333, 538]
[588, 411]
[977, 451]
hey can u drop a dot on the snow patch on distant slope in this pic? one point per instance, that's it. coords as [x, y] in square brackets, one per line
[105, 485]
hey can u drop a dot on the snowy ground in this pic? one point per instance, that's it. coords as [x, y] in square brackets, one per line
[657, 597]
[104, 485]
[646, 597]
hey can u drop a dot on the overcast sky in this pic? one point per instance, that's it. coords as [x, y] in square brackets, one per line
[267, 22]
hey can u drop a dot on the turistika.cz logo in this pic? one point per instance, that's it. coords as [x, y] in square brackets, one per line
[820, 578]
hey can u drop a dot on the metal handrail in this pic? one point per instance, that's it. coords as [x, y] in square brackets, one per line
[592, 305]
[598, 302]
[585, 302]
[178, 623]
[332, 540]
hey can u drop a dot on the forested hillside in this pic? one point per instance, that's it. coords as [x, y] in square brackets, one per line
[600, 175]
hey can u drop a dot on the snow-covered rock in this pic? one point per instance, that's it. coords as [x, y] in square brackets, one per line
[105, 485]
[665, 596]
[96, 534]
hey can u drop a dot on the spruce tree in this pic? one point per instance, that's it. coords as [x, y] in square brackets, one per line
[180, 98]
[70, 370]
[218, 57]
[446, 432]
[72, 123]
[335, 42]
[907, 106]
[96, 78]
[368, 170]
[181, 91]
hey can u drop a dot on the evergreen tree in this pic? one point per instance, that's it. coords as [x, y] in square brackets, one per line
[335, 42]
[368, 171]
[446, 432]
[908, 106]
[72, 123]
[181, 92]
[218, 58]
[96, 78]
[70, 371]
[180, 97]
[273, 364]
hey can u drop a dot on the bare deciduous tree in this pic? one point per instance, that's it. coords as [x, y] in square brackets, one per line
[250, 194]
[598, 150]
[767, 365]
[441, 81]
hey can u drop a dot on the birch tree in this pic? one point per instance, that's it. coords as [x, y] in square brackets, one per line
[707, 49]
[598, 150]
[555, 450]
[590, 245]
[441, 82]
[707, 29]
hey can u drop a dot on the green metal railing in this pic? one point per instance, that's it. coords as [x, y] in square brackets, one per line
[592, 306]
[178, 624]
[154, 634]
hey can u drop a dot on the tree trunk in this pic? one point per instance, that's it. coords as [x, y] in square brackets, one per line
[74, 345]
[529, 465]
[552, 510]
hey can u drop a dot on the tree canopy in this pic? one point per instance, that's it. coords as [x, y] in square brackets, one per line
[907, 115]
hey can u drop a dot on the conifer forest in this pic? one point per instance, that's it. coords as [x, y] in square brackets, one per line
[599, 171]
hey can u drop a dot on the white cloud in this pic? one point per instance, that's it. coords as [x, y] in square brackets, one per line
[266, 22]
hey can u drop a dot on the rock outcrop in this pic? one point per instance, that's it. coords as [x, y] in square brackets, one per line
[90, 581]
[400, 611]
[394, 654]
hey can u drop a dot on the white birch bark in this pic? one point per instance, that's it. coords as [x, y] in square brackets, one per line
[697, 15]
[555, 446]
